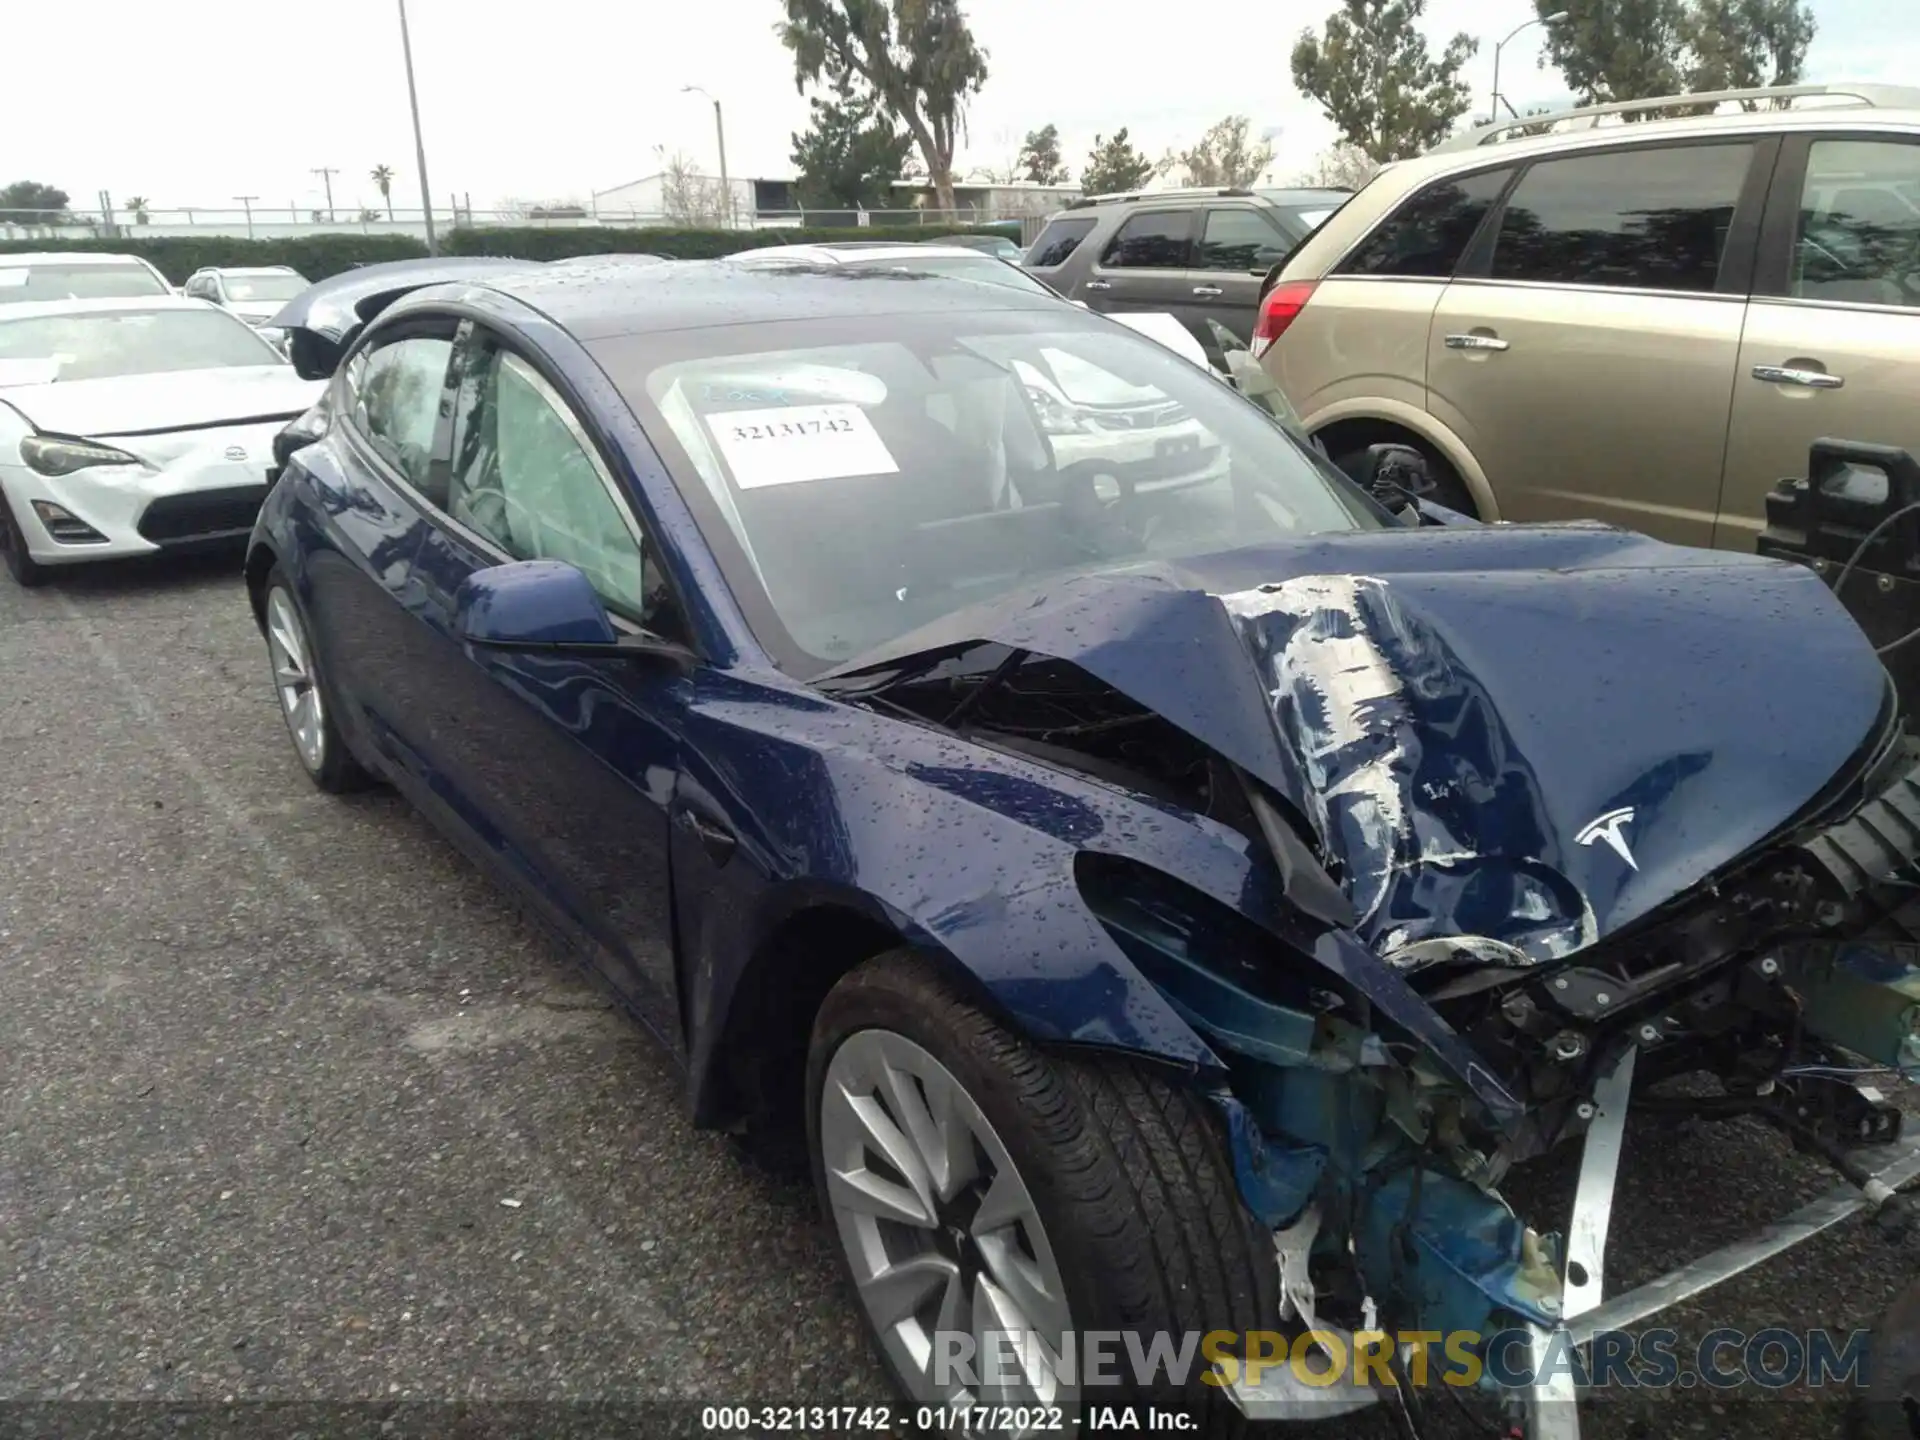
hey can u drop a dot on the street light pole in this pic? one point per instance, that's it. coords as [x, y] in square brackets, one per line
[1494, 110]
[419, 145]
[720, 135]
[246, 203]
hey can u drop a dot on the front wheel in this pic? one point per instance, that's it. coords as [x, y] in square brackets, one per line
[26, 571]
[981, 1189]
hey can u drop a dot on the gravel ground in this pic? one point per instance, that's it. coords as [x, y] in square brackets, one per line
[294, 1108]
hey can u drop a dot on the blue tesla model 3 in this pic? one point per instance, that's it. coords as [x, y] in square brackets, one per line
[1161, 886]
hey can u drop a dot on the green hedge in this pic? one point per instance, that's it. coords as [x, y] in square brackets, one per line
[178, 256]
[318, 256]
[556, 244]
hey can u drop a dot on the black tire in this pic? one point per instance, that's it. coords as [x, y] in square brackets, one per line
[26, 571]
[1448, 488]
[338, 770]
[1130, 1174]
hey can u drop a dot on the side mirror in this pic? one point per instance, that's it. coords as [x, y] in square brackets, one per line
[532, 605]
[547, 607]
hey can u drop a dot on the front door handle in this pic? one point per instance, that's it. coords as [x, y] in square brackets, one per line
[1476, 342]
[1096, 285]
[716, 839]
[1208, 290]
[1792, 375]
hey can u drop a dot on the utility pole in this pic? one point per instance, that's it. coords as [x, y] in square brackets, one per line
[247, 202]
[326, 174]
[720, 134]
[419, 145]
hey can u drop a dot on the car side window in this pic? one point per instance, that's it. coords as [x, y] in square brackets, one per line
[526, 477]
[1151, 240]
[399, 392]
[1859, 233]
[1239, 239]
[1655, 217]
[1427, 235]
[1059, 240]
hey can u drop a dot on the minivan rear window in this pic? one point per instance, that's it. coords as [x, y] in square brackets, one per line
[1059, 240]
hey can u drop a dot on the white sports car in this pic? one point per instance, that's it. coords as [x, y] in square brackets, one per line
[132, 425]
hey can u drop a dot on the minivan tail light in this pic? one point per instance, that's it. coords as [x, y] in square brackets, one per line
[1283, 304]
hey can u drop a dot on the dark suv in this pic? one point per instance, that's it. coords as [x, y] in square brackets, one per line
[1199, 254]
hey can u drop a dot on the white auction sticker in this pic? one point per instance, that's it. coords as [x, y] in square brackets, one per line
[14, 277]
[796, 443]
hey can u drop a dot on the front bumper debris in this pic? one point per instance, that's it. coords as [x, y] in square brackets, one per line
[1551, 1406]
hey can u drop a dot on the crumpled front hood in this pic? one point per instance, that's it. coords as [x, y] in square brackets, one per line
[1531, 734]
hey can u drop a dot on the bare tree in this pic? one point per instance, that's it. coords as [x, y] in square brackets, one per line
[690, 198]
[1344, 167]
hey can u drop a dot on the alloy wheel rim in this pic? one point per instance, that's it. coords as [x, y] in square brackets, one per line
[293, 680]
[939, 1229]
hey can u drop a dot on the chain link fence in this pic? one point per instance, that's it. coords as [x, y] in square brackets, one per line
[262, 222]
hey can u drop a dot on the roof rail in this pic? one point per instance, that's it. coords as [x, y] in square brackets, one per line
[1174, 194]
[1771, 97]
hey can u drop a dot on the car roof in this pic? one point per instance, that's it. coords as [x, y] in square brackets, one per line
[29, 309]
[1305, 195]
[1478, 149]
[246, 270]
[598, 302]
[66, 257]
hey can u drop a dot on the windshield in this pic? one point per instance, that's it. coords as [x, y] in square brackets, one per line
[263, 287]
[859, 478]
[103, 343]
[19, 283]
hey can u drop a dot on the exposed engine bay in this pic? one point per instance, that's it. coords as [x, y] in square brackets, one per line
[1457, 999]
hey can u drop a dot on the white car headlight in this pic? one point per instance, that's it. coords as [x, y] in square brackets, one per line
[1056, 416]
[51, 455]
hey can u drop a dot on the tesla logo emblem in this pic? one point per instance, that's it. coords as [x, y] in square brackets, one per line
[1608, 828]
[234, 452]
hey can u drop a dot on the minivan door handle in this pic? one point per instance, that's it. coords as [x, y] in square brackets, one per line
[1095, 285]
[1476, 342]
[1793, 375]
[1208, 290]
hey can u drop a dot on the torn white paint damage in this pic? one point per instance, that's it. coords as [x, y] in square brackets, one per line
[1345, 710]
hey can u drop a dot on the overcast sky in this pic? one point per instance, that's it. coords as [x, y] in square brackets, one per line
[194, 104]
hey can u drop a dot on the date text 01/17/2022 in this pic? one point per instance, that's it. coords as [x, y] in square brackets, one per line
[881, 1419]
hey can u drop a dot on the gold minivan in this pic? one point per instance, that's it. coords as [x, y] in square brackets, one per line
[1646, 323]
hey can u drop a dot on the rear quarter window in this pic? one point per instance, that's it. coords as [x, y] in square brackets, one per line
[1429, 232]
[1059, 240]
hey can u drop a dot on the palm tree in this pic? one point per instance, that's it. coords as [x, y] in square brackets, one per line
[383, 177]
[138, 205]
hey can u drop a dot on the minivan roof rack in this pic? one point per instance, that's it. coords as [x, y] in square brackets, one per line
[1179, 194]
[1775, 97]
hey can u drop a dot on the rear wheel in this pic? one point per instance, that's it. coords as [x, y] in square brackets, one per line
[978, 1186]
[25, 570]
[302, 691]
[1448, 488]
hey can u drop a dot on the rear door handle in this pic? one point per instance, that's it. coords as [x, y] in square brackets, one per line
[1095, 285]
[1789, 375]
[1208, 290]
[1476, 342]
